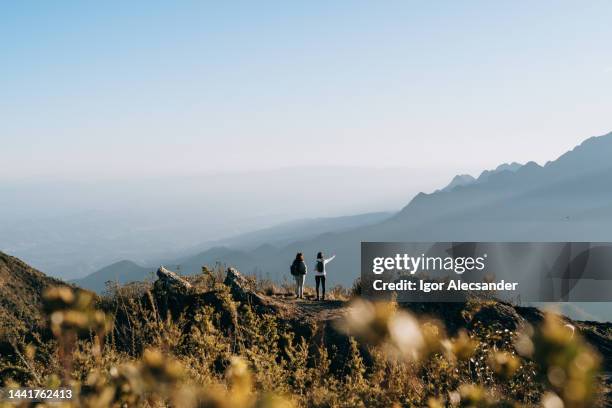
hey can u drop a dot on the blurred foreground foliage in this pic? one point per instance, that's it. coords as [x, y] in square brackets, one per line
[122, 351]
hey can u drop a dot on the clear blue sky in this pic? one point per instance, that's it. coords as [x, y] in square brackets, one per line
[111, 89]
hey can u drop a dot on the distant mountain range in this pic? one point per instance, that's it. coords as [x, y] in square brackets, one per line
[279, 235]
[568, 199]
[462, 180]
[71, 228]
[241, 251]
[119, 272]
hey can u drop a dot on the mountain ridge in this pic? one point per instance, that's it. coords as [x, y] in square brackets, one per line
[567, 199]
[240, 251]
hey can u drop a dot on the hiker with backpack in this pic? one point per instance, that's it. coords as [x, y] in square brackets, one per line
[320, 273]
[299, 270]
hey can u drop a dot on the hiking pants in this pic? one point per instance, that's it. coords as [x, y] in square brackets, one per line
[320, 280]
[299, 285]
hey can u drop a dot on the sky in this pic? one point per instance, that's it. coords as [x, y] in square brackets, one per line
[104, 90]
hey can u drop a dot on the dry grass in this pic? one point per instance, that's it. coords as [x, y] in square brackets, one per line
[227, 355]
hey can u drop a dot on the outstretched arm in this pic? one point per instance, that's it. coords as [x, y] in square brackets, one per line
[330, 259]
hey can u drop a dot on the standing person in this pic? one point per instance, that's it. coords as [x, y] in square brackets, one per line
[299, 270]
[320, 273]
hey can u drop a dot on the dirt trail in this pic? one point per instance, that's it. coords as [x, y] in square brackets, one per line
[319, 310]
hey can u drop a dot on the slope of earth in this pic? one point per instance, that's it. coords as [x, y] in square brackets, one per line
[311, 318]
[21, 288]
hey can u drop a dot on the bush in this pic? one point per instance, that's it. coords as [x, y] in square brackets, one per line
[221, 353]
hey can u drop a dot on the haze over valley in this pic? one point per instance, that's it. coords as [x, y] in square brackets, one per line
[566, 199]
[72, 228]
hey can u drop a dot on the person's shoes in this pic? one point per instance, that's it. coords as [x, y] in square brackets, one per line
[317, 299]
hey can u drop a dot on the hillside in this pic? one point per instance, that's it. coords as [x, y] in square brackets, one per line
[121, 272]
[224, 340]
[21, 288]
[21, 311]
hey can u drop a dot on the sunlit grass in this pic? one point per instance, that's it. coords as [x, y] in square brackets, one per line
[122, 351]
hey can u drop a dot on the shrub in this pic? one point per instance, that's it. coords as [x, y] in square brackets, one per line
[226, 354]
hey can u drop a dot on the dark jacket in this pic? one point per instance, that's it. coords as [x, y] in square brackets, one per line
[298, 268]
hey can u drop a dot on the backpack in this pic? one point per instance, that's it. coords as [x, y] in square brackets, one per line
[298, 268]
[320, 267]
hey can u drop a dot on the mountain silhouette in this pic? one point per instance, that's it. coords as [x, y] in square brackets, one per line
[245, 251]
[459, 180]
[567, 199]
[466, 179]
[119, 272]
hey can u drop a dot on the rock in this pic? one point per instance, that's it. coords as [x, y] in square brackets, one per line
[172, 279]
[170, 292]
[237, 282]
[241, 291]
[499, 315]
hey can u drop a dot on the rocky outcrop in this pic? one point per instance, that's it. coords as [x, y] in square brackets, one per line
[315, 321]
[177, 296]
[498, 315]
[172, 279]
[242, 291]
